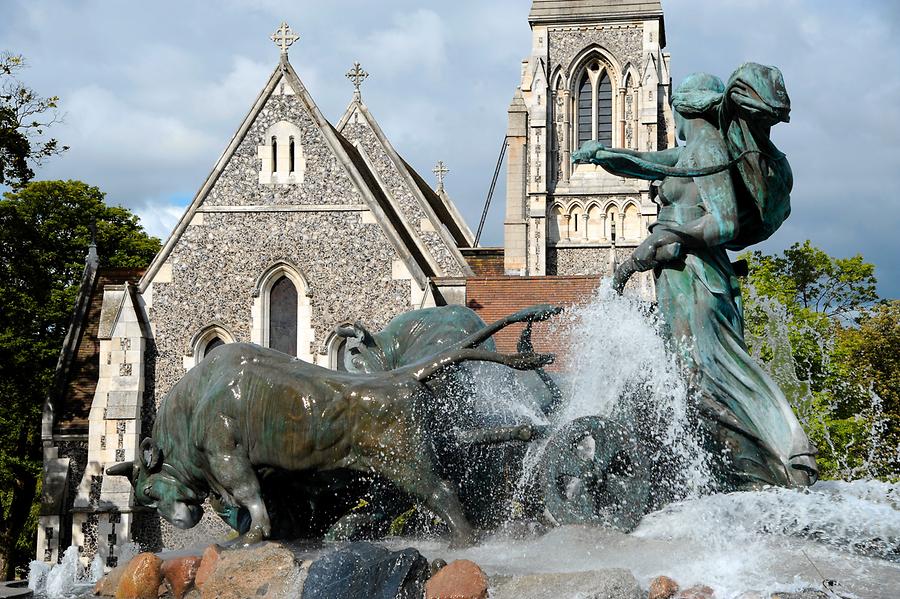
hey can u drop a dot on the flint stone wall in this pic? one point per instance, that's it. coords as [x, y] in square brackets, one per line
[625, 42]
[358, 130]
[567, 261]
[324, 182]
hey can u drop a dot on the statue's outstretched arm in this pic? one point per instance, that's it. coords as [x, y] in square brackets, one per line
[619, 161]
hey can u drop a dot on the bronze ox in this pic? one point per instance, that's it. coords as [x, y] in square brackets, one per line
[246, 407]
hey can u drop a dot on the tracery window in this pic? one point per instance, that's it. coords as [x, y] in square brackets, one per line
[594, 105]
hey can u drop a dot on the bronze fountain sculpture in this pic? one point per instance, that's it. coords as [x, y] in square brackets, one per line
[245, 410]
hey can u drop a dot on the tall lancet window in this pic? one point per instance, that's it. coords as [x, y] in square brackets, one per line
[604, 110]
[274, 154]
[585, 109]
[283, 316]
[595, 106]
[291, 154]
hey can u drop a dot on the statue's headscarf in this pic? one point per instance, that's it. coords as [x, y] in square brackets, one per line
[755, 99]
[699, 95]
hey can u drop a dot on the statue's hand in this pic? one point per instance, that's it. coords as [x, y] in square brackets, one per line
[644, 257]
[661, 246]
[590, 151]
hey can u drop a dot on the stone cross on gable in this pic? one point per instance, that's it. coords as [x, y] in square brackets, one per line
[284, 37]
[356, 75]
[440, 170]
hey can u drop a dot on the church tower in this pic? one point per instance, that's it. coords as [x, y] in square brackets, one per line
[597, 71]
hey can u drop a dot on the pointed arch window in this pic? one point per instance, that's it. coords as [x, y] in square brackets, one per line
[212, 344]
[204, 341]
[274, 143]
[291, 154]
[283, 316]
[594, 105]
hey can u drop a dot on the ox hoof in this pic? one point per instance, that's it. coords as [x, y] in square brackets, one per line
[251, 537]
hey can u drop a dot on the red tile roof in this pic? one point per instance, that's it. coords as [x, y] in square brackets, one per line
[495, 297]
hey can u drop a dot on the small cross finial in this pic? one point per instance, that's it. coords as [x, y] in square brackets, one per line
[284, 37]
[356, 75]
[440, 169]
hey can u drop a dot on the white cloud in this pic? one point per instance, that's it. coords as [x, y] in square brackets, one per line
[160, 217]
[414, 43]
[106, 128]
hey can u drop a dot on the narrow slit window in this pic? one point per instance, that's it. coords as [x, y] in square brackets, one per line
[274, 154]
[291, 154]
[585, 101]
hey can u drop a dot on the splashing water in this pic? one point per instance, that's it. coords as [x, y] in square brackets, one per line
[69, 578]
[60, 580]
[815, 398]
[618, 366]
[774, 540]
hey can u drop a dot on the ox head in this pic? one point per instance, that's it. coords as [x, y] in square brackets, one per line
[160, 486]
[363, 354]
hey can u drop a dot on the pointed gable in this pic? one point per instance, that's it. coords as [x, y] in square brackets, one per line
[74, 402]
[333, 179]
[436, 226]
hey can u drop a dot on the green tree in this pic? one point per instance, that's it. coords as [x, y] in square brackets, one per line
[24, 117]
[823, 309]
[45, 231]
[870, 354]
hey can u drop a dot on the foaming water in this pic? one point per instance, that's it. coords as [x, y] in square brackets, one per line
[763, 541]
[861, 517]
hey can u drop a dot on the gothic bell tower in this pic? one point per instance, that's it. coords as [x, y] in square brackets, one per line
[597, 71]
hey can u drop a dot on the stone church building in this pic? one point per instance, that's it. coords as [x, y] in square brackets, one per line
[304, 225]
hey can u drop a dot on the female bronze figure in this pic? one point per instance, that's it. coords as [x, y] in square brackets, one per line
[725, 189]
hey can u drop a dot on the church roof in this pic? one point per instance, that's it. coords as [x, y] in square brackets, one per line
[445, 219]
[73, 404]
[348, 159]
[554, 11]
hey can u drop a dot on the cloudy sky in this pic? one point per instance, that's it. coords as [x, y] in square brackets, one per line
[153, 91]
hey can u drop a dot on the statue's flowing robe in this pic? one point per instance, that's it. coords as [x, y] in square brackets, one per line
[699, 295]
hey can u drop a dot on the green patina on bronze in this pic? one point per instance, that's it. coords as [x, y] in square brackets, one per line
[728, 187]
[246, 408]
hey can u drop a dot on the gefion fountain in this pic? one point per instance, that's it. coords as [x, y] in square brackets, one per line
[657, 447]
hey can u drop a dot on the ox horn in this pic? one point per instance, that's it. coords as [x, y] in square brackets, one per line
[529, 361]
[530, 315]
[151, 455]
[125, 469]
[356, 330]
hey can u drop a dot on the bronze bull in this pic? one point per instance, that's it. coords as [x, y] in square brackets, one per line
[246, 407]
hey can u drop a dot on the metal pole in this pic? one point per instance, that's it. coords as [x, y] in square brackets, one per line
[487, 202]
